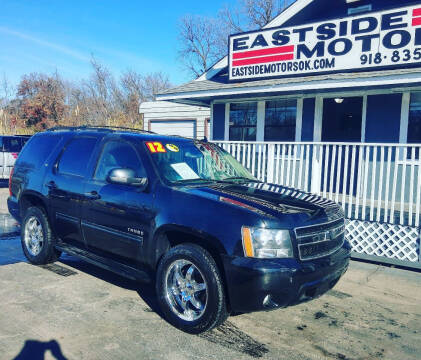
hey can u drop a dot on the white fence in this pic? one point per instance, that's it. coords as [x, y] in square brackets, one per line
[378, 186]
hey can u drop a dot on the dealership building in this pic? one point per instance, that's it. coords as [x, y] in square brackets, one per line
[327, 98]
[318, 102]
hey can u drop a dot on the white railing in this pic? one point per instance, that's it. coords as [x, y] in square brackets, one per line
[373, 182]
[377, 185]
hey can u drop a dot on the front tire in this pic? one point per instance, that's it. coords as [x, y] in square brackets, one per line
[37, 238]
[190, 289]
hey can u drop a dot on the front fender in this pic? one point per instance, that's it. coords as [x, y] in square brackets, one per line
[172, 234]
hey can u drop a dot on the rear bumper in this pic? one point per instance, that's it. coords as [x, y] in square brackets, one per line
[13, 206]
[264, 284]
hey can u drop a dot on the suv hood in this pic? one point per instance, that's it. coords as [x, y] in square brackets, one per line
[271, 200]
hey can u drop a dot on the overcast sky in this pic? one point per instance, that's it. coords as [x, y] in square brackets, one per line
[42, 36]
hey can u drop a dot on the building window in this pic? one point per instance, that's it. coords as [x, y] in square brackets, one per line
[242, 121]
[342, 119]
[414, 121]
[280, 120]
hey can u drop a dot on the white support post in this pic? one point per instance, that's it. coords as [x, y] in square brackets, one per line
[316, 169]
[403, 131]
[364, 119]
[227, 122]
[318, 120]
[271, 163]
[210, 129]
[299, 120]
[260, 128]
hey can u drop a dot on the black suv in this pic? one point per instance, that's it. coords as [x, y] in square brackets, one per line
[180, 212]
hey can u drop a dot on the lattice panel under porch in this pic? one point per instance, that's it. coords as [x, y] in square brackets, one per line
[391, 241]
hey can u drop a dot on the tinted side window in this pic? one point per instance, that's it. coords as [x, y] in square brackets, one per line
[75, 157]
[37, 151]
[118, 155]
[12, 144]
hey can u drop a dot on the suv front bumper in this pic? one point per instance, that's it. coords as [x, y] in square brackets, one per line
[268, 284]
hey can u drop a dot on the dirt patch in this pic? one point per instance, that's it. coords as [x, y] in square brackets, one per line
[58, 269]
[319, 315]
[338, 294]
[329, 354]
[230, 336]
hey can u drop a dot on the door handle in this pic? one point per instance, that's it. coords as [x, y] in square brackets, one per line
[92, 195]
[51, 185]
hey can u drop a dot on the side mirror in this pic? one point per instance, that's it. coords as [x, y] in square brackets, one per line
[126, 176]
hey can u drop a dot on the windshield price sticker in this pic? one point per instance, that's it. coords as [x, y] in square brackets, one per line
[172, 147]
[155, 147]
[388, 38]
[185, 171]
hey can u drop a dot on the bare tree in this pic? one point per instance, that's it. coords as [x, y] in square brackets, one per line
[137, 88]
[102, 91]
[154, 83]
[260, 12]
[203, 40]
[131, 84]
[6, 91]
[199, 43]
[44, 100]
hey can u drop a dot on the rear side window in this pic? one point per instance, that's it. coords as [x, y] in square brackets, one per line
[37, 151]
[12, 144]
[76, 155]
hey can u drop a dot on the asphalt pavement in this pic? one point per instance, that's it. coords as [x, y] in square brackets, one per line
[74, 310]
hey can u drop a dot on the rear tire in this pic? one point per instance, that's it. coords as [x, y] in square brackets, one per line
[190, 289]
[37, 238]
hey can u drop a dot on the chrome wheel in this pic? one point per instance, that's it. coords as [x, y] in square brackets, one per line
[186, 290]
[34, 236]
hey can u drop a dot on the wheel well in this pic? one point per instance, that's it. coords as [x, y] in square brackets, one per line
[29, 200]
[173, 238]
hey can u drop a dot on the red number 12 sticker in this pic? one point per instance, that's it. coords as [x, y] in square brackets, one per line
[155, 147]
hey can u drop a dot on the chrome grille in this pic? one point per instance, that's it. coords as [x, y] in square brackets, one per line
[316, 241]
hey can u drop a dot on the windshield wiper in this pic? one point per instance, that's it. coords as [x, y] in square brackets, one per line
[192, 180]
[234, 178]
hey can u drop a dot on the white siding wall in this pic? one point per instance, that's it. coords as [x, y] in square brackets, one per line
[165, 110]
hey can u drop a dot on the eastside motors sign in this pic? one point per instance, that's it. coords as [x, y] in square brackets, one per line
[381, 39]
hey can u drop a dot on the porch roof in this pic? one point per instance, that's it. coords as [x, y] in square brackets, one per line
[203, 91]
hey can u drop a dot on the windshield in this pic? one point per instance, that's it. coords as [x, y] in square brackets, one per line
[182, 161]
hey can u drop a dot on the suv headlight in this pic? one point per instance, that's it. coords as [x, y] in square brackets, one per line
[266, 243]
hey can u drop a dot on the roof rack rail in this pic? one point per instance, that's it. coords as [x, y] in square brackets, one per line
[88, 127]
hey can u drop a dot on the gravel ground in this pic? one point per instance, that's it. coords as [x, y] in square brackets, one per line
[77, 311]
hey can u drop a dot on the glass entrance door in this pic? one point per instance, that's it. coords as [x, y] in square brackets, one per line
[342, 119]
[342, 122]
